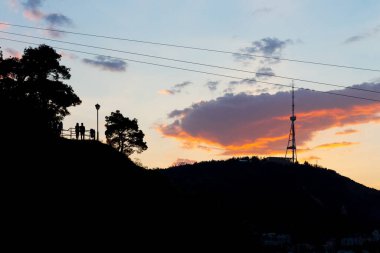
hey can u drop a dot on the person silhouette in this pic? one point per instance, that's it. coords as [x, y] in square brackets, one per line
[60, 128]
[77, 131]
[82, 131]
[92, 134]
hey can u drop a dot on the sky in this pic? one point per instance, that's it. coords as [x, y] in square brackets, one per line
[192, 116]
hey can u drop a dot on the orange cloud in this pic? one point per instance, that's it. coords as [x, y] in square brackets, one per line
[32, 11]
[13, 53]
[259, 124]
[68, 55]
[33, 15]
[261, 146]
[347, 131]
[165, 92]
[182, 161]
[311, 158]
[336, 145]
[3, 26]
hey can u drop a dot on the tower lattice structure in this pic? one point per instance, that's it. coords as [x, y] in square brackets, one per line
[292, 134]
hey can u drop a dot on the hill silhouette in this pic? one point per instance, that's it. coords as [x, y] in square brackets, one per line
[308, 202]
[87, 194]
[83, 195]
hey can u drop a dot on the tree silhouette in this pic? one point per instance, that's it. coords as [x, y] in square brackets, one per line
[34, 85]
[123, 134]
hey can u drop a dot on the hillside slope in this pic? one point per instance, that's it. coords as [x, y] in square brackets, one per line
[70, 194]
[262, 196]
[86, 195]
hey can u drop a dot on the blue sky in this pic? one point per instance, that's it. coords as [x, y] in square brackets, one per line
[338, 32]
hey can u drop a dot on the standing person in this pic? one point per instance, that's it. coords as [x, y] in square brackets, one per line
[77, 131]
[92, 134]
[60, 128]
[82, 131]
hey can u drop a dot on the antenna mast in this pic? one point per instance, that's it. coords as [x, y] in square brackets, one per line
[292, 133]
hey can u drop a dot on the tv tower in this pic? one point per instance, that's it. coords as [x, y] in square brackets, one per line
[292, 133]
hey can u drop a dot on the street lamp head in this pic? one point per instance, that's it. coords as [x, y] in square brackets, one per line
[97, 106]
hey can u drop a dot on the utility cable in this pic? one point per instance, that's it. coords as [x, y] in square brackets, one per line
[191, 62]
[192, 48]
[196, 71]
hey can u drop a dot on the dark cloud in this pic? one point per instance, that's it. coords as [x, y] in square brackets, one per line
[180, 113]
[264, 73]
[32, 4]
[58, 20]
[54, 33]
[177, 88]
[34, 15]
[248, 81]
[271, 47]
[261, 90]
[355, 38]
[212, 85]
[259, 124]
[254, 86]
[107, 63]
[362, 36]
[233, 84]
[32, 11]
[262, 10]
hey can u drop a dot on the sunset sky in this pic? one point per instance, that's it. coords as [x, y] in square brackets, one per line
[190, 116]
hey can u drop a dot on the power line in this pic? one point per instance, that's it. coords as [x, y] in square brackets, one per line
[190, 62]
[196, 71]
[192, 48]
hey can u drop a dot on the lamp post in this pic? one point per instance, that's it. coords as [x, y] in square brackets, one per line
[97, 106]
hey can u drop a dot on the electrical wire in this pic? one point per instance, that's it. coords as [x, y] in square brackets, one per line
[192, 48]
[196, 71]
[190, 62]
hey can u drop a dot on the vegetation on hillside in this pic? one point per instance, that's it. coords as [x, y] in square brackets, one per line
[124, 134]
[33, 95]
